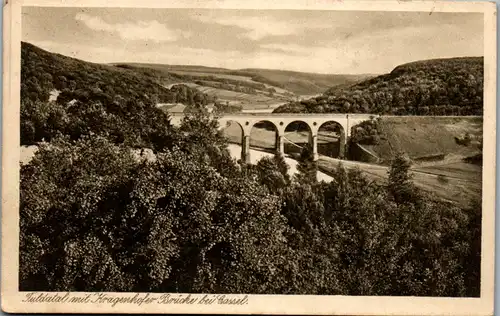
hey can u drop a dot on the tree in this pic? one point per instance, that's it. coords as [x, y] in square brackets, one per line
[399, 184]
[273, 173]
[283, 167]
[73, 224]
[307, 167]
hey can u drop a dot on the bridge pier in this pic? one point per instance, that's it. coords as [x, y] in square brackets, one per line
[342, 145]
[280, 144]
[315, 147]
[245, 149]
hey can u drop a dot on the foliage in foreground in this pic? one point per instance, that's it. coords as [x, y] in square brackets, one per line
[94, 217]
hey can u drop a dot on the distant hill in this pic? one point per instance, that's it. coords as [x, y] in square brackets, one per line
[298, 83]
[302, 82]
[238, 90]
[452, 86]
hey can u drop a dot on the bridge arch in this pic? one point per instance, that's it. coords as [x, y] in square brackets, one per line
[297, 134]
[264, 135]
[331, 139]
[232, 130]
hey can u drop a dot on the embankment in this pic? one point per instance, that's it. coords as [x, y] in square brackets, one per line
[425, 138]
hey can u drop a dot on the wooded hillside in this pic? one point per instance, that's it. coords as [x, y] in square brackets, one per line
[431, 87]
[87, 98]
[43, 71]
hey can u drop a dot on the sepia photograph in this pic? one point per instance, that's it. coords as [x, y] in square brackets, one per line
[212, 154]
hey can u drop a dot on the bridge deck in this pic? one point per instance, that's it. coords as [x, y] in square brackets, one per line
[338, 115]
[350, 115]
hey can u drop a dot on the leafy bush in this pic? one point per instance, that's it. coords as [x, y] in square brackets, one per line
[464, 140]
[366, 132]
[307, 168]
[475, 159]
[97, 219]
[221, 107]
[133, 123]
[442, 179]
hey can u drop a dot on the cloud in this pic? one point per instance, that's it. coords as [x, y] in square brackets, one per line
[317, 60]
[169, 54]
[378, 51]
[311, 41]
[139, 30]
[291, 49]
[259, 27]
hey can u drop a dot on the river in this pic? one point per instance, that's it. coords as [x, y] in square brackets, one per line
[256, 155]
[27, 153]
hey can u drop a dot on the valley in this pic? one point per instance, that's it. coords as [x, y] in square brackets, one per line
[433, 143]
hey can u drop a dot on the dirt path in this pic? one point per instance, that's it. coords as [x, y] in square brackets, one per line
[454, 186]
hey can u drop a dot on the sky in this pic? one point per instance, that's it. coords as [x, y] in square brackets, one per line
[347, 42]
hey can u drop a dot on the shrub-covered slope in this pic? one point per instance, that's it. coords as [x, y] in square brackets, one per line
[451, 86]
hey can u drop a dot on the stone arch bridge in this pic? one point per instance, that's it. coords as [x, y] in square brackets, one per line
[280, 121]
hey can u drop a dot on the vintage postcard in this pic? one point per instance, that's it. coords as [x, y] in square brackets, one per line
[249, 157]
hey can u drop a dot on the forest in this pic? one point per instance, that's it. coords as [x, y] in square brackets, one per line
[451, 86]
[97, 216]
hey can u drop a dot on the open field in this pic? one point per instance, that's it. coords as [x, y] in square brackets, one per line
[248, 102]
[223, 94]
[302, 83]
[460, 170]
[27, 153]
[222, 75]
[225, 84]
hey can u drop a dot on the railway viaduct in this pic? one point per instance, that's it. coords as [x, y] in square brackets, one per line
[280, 121]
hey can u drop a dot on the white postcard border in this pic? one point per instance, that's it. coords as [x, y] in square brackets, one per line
[12, 299]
